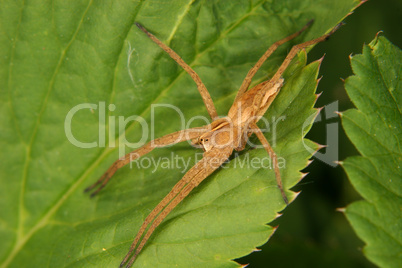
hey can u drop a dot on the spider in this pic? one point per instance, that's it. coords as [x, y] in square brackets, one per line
[218, 139]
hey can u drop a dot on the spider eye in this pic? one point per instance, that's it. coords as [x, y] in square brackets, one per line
[201, 139]
[206, 139]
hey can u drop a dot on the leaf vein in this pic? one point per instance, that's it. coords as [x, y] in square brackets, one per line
[21, 239]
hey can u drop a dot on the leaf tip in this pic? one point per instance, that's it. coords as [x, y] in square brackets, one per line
[378, 33]
[318, 94]
[310, 160]
[295, 195]
[338, 162]
[321, 59]
[319, 109]
[278, 215]
[304, 174]
[321, 146]
[341, 210]
[375, 40]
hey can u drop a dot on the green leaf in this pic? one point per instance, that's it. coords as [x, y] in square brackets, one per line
[56, 55]
[375, 128]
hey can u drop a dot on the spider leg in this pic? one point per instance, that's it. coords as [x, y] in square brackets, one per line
[200, 85]
[169, 139]
[274, 158]
[297, 48]
[268, 90]
[246, 82]
[211, 161]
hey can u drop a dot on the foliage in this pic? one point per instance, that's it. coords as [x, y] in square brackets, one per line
[57, 55]
[375, 128]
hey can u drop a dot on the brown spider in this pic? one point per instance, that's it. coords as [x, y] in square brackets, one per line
[218, 139]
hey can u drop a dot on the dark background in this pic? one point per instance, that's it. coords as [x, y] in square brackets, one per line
[311, 228]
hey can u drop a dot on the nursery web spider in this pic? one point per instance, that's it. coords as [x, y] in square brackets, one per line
[218, 139]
